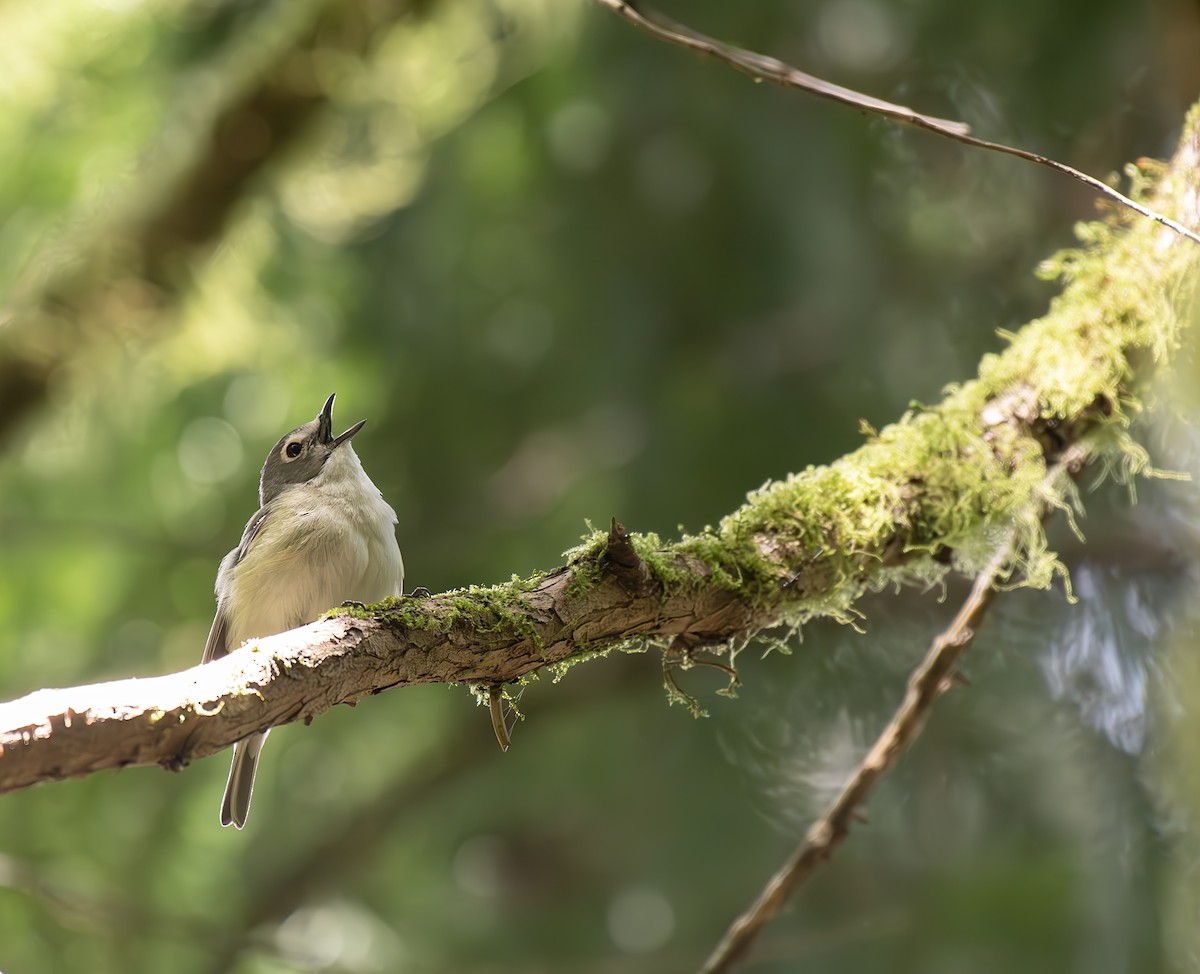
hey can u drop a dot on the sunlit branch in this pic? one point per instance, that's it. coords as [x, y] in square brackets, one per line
[901, 508]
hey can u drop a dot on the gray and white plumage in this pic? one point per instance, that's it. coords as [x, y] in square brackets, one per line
[323, 535]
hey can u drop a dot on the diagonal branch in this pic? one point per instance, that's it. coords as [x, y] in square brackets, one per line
[483, 636]
[928, 493]
[932, 678]
[764, 68]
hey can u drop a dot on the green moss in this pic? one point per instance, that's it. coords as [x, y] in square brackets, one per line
[496, 608]
[591, 546]
[412, 616]
[585, 574]
[941, 488]
[586, 654]
[359, 611]
[950, 480]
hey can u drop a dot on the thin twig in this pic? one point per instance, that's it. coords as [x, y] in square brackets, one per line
[926, 683]
[764, 68]
[933, 677]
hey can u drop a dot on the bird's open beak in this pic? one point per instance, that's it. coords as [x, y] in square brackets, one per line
[325, 419]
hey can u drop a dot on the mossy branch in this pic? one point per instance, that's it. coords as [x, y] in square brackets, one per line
[929, 494]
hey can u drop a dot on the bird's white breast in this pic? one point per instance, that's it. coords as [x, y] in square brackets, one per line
[328, 541]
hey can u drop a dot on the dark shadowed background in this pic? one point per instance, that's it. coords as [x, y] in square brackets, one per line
[566, 273]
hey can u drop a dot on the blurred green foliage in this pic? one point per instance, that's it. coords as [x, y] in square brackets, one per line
[566, 273]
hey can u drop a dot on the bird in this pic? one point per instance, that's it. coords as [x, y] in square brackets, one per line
[322, 536]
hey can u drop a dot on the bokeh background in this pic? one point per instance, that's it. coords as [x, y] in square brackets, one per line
[567, 273]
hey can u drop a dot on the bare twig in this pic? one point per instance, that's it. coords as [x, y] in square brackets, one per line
[764, 68]
[933, 677]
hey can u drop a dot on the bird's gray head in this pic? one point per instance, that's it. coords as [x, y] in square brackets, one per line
[300, 455]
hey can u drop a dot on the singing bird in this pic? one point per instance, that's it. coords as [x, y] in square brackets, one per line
[322, 535]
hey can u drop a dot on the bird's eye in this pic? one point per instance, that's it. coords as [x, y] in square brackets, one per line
[293, 450]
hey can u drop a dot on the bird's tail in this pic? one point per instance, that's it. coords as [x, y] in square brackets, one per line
[236, 804]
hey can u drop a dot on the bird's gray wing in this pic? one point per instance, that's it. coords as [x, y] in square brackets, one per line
[215, 647]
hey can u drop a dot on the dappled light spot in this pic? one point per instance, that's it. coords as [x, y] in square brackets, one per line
[640, 919]
[862, 35]
[339, 935]
[1097, 661]
[210, 450]
[479, 866]
[580, 136]
[672, 173]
